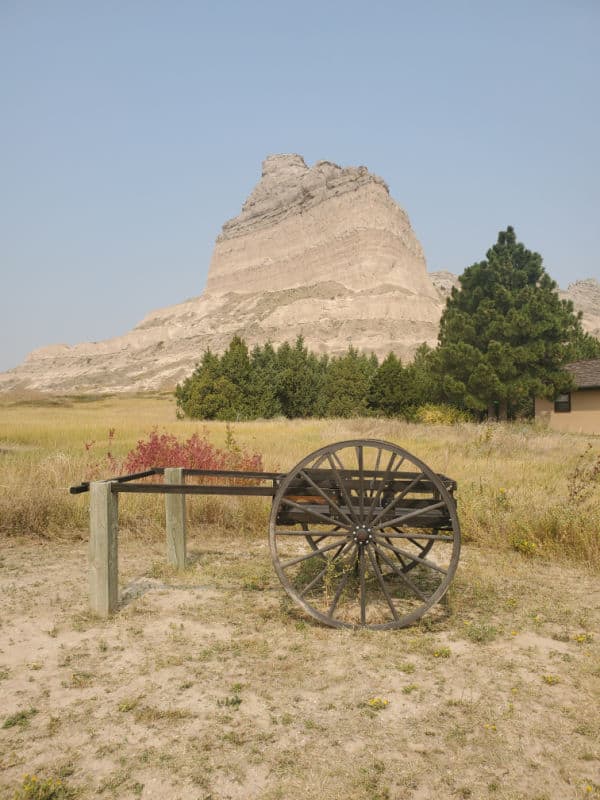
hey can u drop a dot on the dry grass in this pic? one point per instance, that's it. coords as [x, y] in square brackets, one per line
[515, 481]
[210, 684]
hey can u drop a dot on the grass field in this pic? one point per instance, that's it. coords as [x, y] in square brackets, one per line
[519, 486]
[211, 684]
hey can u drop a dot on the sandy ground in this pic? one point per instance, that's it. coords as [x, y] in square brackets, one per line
[211, 685]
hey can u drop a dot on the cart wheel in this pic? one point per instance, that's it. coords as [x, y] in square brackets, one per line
[381, 514]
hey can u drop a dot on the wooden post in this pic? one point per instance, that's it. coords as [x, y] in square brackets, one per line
[175, 514]
[103, 554]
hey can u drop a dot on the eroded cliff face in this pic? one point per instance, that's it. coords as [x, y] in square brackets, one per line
[322, 251]
[586, 298]
[301, 226]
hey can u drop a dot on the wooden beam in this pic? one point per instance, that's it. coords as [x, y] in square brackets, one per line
[176, 519]
[103, 549]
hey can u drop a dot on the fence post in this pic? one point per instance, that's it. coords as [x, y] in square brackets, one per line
[103, 552]
[175, 514]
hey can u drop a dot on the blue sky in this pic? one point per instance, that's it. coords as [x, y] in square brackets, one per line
[132, 130]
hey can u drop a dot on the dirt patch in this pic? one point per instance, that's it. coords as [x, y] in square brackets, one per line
[210, 684]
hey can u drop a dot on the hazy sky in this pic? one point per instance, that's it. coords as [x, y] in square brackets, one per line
[131, 131]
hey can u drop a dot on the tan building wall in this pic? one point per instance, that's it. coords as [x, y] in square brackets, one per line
[584, 416]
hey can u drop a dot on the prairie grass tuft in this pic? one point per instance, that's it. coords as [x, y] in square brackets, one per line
[20, 718]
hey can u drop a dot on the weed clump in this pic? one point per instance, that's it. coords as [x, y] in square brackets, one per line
[34, 788]
[21, 718]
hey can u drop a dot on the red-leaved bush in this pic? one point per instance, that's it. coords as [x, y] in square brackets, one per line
[162, 449]
[166, 450]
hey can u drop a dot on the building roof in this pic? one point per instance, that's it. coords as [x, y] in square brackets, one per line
[585, 373]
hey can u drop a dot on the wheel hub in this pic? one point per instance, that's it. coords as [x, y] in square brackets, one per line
[362, 534]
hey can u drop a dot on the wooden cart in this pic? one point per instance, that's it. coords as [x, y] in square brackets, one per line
[361, 532]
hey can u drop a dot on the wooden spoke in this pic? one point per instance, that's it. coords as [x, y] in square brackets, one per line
[361, 479]
[340, 482]
[410, 515]
[413, 557]
[401, 574]
[310, 511]
[373, 477]
[405, 564]
[321, 574]
[388, 477]
[414, 537]
[393, 503]
[326, 497]
[363, 586]
[429, 542]
[306, 532]
[342, 585]
[312, 554]
[386, 594]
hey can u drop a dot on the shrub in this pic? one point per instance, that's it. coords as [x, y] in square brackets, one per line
[166, 450]
[440, 414]
[162, 449]
[245, 515]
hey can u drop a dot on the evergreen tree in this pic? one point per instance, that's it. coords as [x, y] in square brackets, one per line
[504, 335]
[388, 388]
[263, 399]
[347, 383]
[219, 388]
[300, 379]
[197, 396]
[423, 383]
[235, 364]
[583, 347]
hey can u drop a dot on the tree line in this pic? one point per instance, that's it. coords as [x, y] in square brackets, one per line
[504, 338]
[292, 381]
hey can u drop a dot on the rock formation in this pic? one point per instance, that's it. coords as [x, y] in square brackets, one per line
[586, 298]
[322, 251]
[443, 282]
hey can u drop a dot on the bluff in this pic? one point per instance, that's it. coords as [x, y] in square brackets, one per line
[321, 251]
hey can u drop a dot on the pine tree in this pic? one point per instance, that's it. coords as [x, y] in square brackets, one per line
[504, 335]
[583, 347]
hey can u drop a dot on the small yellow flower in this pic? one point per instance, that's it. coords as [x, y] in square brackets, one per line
[378, 703]
[551, 680]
